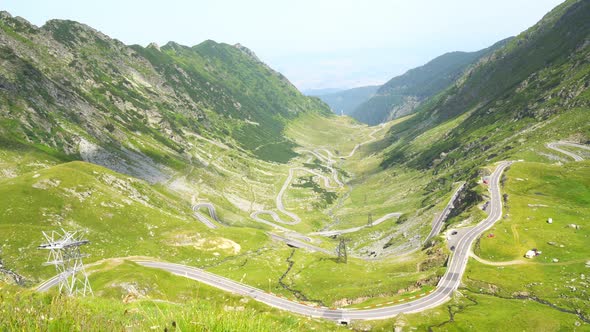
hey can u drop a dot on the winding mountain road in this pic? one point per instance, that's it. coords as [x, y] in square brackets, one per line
[49, 283]
[279, 198]
[576, 157]
[298, 244]
[449, 282]
[295, 218]
[439, 221]
[329, 163]
[371, 139]
[279, 201]
[204, 219]
[275, 216]
[356, 229]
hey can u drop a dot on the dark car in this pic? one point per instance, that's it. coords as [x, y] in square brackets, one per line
[454, 233]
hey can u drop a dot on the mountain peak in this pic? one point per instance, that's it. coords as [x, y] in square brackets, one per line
[5, 14]
[247, 51]
[16, 22]
[73, 33]
[154, 46]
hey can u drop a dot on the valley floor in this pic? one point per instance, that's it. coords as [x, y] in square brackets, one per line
[335, 187]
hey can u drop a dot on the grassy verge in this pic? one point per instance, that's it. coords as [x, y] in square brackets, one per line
[205, 309]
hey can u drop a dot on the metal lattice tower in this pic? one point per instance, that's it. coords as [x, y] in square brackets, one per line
[64, 254]
[370, 220]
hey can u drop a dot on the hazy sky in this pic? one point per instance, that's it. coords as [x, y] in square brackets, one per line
[315, 43]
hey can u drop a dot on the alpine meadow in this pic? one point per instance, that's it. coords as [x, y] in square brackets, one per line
[195, 188]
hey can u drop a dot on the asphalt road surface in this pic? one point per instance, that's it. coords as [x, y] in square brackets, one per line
[355, 229]
[204, 219]
[47, 284]
[298, 244]
[438, 222]
[371, 139]
[279, 201]
[445, 288]
[329, 162]
[275, 216]
[555, 146]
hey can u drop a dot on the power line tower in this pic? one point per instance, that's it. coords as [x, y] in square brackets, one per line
[370, 220]
[64, 254]
[341, 251]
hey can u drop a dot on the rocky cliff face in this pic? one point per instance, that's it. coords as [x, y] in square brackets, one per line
[69, 88]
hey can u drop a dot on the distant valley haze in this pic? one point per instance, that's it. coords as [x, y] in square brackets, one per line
[315, 44]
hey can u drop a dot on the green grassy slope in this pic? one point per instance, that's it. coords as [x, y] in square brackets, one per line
[537, 80]
[142, 299]
[496, 113]
[537, 294]
[243, 89]
[122, 217]
[412, 166]
[536, 192]
[66, 81]
[404, 93]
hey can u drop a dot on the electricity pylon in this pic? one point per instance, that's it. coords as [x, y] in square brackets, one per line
[64, 254]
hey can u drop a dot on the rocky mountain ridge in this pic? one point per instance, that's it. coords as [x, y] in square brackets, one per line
[65, 85]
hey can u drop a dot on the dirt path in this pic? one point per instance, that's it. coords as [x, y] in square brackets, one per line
[523, 261]
[506, 263]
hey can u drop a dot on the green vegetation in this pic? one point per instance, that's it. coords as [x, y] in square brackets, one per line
[211, 123]
[149, 300]
[339, 134]
[472, 311]
[88, 197]
[403, 94]
[514, 101]
[536, 192]
[537, 294]
[250, 92]
[114, 94]
[359, 282]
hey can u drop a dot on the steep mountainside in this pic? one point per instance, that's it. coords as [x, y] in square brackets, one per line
[75, 92]
[251, 181]
[345, 102]
[403, 94]
[537, 86]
